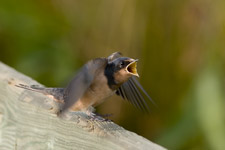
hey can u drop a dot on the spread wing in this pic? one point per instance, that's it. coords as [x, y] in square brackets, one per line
[81, 82]
[130, 91]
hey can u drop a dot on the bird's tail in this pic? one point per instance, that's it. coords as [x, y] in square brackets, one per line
[57, 93]
[32, 88]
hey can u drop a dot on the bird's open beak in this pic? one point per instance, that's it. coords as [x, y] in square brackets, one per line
[132, 67]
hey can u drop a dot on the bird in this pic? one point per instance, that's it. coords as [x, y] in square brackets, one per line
[97, 80]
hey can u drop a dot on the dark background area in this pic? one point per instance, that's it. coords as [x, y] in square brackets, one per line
[180, 46]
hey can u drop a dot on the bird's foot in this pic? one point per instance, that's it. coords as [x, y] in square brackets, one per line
[102, 118]
[104, 115]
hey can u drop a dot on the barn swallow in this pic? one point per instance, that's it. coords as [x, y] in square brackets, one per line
[97, 80]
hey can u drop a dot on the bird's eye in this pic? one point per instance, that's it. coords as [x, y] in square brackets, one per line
[121, 64]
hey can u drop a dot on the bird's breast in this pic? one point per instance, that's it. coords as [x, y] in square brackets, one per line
[95, 94]
[99, 90]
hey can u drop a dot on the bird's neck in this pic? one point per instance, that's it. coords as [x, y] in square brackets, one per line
[109, 73]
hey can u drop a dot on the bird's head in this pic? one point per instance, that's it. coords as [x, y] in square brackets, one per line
[123, 68]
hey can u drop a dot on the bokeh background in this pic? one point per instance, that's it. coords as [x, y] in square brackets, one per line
[180, 46]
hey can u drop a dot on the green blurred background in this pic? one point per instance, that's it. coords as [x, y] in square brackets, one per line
[180, 45]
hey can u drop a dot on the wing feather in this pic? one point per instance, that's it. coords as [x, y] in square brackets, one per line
[130, 91]
[142, 89]
[139, 97]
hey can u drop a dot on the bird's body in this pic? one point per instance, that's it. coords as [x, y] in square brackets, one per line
[94, 96]
[97, 80]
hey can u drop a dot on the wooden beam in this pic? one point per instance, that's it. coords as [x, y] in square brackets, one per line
[28, 120]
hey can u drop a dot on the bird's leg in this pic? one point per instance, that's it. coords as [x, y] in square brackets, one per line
[90, 110]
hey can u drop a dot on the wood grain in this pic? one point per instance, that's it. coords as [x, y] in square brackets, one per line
[28, 121]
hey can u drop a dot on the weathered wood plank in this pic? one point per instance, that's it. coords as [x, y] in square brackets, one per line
[28, 120]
